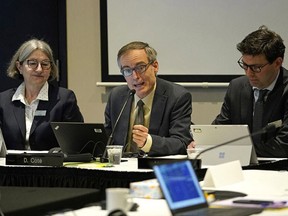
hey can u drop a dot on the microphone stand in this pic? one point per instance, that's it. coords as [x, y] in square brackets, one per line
[104, 158]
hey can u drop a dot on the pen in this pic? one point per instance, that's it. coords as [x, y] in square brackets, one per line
[259, 202]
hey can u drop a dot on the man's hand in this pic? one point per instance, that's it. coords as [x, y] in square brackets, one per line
[139, 135]
[191, 145]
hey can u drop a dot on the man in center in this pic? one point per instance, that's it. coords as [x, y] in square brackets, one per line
[167, 106]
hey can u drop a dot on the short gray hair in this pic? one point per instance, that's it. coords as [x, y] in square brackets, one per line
[138, 45]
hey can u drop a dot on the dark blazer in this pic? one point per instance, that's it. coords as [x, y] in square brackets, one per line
[238, 109]
[169, 121]
[62, 106]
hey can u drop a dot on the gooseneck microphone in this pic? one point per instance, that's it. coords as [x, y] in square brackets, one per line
[104, 159]
[266, 129]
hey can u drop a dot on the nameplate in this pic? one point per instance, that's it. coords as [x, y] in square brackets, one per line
[35, 159]
[223, 174]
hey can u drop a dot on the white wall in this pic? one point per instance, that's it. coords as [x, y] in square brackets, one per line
[84, 67]
[205, 31]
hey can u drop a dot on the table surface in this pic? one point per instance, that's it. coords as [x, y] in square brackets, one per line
[266, 188]
[128, 165]
[76, 175]
[258, 183]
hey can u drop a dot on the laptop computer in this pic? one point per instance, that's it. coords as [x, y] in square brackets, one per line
[78, 138]
[45, 200]
[182, 191]
[207, 136]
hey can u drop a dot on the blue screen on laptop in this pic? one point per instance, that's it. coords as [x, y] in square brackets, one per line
[179, 184]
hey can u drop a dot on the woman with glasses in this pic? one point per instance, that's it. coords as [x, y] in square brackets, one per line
[26, 111]
[260, 98]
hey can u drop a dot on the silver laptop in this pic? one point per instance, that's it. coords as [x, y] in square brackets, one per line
[207, 136]
[184, 196]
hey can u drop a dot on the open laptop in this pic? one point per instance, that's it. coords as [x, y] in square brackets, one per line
[45, 200]
[207, 136]
[78, 138]
[182, 191]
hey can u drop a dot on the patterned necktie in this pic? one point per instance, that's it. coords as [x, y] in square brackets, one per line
[139, 119]
[258, 116]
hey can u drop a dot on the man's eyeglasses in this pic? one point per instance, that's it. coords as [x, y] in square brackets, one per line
[255, 68]
[33, 64]
[127, 71]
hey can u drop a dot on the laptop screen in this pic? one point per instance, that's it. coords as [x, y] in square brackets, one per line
[179, 185]
[236, 137]
[78, 137]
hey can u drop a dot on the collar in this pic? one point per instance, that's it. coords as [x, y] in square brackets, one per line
[147, 100]
[20, 93]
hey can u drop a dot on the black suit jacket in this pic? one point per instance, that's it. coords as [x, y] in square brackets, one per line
[62, 106]
[238, 109]
[169, 121]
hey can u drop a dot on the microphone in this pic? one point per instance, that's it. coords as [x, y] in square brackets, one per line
[104, 159]
[269, 128]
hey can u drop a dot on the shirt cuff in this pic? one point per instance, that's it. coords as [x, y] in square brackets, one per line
[146, 148]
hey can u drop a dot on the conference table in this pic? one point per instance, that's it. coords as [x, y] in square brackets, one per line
[76, 175]
[258, 184]
[100, 176]
[95, 174]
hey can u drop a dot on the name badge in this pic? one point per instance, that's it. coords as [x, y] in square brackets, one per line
[40, 113]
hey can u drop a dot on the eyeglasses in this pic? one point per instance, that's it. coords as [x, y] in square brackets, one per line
[254, 68]
[127, 71]
[33, 64]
